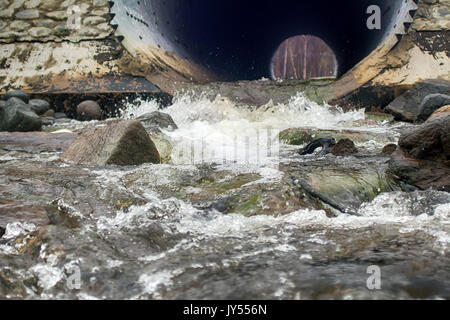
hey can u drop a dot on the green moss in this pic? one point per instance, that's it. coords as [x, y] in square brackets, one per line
[249, 207]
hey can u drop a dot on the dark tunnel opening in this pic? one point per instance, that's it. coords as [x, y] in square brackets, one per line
[236, 40]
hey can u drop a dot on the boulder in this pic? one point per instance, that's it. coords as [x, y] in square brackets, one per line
[423, 157]
[16, 94]
[120, 142]
[344, 147]
[430, 104]
[2, 231]
[406, 107]
[158, 119]
[39, 106]
[89, 110]
[18, 116]
[2, 103]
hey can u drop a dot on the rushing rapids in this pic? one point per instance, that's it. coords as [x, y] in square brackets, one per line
[224, 218]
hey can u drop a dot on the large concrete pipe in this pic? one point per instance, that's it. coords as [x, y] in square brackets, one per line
[236, 40]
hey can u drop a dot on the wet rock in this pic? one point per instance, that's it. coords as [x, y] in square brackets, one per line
[344, 147]
[295, 137]
[406, 107]
[36, 142]
[61, 115]
[89, 110]
[17, 211]
[423, 159]
[2, 103]
[389, 149]
[163, 144]
[118, 143]
[350, 187]
[430, 104]
[2, 231]
[39, 106]
[50, 113]
[16, 94]
[429, 141]
[158, 119]
[423, 174]
[18, 116]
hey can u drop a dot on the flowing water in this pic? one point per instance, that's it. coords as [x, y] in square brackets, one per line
[225, 219]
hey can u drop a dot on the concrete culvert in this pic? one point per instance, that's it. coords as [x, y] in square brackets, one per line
[236, 40]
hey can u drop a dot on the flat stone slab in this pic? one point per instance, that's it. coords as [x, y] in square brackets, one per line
[36, 141]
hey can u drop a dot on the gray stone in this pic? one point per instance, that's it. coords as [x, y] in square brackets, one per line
[61, 115]
[31, 4]
[122, 142]
[57, 15]
[423, 156]
[39, 106]
[430, 104]
[406, 107]
[158, 119]
[28, 14]
[16, 116]
[16, 94]
[38, 32]
[19, 26]
[89, 110]
[47, 23]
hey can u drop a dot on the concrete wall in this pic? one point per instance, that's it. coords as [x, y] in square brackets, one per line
[48, 20]
[425, 52]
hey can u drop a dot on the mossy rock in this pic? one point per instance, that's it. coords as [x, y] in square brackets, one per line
[295, 137]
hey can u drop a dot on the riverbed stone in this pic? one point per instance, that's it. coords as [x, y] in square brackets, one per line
[18, 116]
[344, 147]
[430, 104]
[17, 211]
[163, 144]
[423, 157]
[61, 115]
[39, 106]
[406, 107]
[158, 119]
[89, 110]
[16, 94]
[122, 142]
